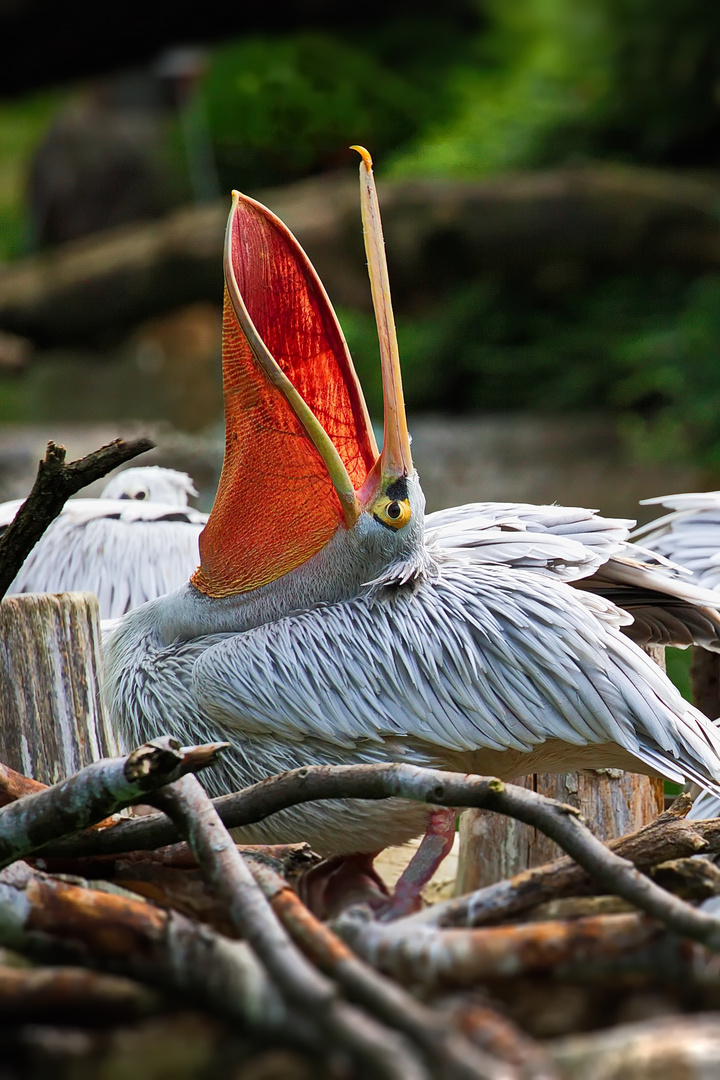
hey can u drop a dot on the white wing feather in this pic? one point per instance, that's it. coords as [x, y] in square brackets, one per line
[125, 551]
[565, 542]
[479, 658]
[690, 535]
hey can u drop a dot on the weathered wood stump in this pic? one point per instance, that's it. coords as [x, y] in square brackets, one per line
[52, 721]
[612, 802]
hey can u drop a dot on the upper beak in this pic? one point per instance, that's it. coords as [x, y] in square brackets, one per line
[396, 458]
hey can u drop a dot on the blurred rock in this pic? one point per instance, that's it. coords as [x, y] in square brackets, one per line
[98, 165]
[182, 350]
[15, 352]
[547, 228]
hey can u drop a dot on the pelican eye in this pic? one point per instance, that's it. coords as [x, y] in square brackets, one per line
[392, 513]
[140, 495]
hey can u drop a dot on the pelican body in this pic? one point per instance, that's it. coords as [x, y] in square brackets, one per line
[325, 624]
[137, 541]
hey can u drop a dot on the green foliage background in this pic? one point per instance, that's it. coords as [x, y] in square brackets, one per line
[481, 87]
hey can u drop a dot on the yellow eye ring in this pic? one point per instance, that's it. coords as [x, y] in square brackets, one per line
[393, 513]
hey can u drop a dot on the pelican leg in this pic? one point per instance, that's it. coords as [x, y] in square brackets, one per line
[434, 846]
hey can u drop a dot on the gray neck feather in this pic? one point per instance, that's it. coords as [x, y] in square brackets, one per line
[367, 558]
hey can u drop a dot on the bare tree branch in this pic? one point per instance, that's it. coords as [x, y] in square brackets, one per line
[305, 988]
[13, 785]
[291, 859]
[437, 957]
[446, 1049]
[54, 484]
[91, 794]
[669, 836]
[308, 784]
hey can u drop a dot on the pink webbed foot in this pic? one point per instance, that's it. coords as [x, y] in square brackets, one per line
[341, 881]
[337, 883]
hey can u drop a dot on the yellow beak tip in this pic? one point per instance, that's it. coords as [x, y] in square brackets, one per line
[365, 155]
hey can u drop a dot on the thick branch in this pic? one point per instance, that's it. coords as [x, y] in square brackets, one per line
[58, 922]
[433, 957]
[670, 836]
[307, 784]
[300, 983]
[64, 993]
[93, 793]
[54, 484]
[446, 1049]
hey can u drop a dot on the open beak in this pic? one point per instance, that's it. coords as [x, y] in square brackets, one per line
[396, 459]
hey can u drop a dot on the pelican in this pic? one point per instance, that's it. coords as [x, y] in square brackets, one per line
[580, 546]
[689, 534]
[137, 541]
[325, 625]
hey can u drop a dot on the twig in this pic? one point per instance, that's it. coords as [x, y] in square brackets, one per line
[93, 793]
[292, 859]
[54, 921]
[300, 983]
[432, 957]
[669, 836]
[13, 785]
[54, 484]
[68, 992]
[561, 823]
[445, 1049]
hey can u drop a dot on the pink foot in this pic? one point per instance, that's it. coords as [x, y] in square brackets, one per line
[336, 883]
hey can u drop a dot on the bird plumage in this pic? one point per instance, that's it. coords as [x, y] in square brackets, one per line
[137, 541]
[438, 661]
[579, 545]
[351, 632]
[689, 535]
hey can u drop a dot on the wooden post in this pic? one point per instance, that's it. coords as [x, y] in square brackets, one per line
[52, 721]
[612, 802]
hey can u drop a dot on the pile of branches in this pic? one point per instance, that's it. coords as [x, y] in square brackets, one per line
[158, 938]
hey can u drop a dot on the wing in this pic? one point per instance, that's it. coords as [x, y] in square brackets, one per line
[578, 545]
[707, 805]
[126, 552]
[479, 658]
[8, 510]
[689, 536]
[565, 542]
[667, 606]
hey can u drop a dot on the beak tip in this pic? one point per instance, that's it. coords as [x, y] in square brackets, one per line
[365, 155]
